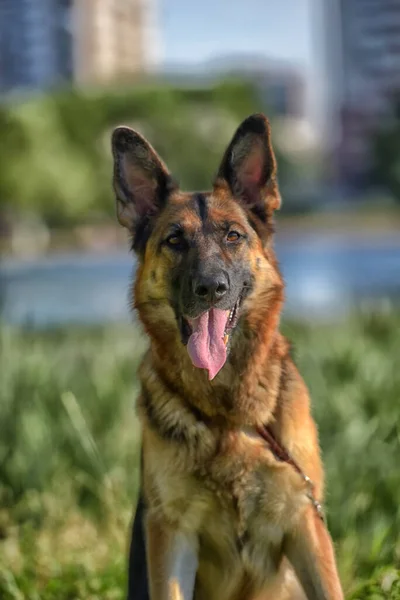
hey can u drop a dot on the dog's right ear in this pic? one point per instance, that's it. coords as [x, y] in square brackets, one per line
[141, 182]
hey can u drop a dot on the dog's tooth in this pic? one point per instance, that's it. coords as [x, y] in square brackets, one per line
[226, 338]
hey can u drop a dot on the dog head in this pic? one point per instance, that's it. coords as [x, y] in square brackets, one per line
[206, 263]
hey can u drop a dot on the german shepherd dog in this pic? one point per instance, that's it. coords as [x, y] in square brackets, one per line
[232, 478]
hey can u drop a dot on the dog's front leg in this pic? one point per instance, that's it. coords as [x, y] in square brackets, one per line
[172, 562]
[310, 550]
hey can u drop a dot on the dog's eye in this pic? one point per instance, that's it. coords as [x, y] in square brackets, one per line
[175, 240]
[233, 236]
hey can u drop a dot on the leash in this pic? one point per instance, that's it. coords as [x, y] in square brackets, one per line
[283, 455]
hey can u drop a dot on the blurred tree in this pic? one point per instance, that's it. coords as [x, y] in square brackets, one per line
[55, 157]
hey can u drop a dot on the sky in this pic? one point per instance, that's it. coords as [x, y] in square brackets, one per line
[193, 31]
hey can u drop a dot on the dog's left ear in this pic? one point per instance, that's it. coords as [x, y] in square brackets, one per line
[142, 182]
[249, 166]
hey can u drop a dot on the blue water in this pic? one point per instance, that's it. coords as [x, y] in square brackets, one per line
[324, 277]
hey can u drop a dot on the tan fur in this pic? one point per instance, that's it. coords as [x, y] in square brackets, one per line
[208, 478]
[225, 483]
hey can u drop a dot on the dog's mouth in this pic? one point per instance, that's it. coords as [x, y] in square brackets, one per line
[208, 337]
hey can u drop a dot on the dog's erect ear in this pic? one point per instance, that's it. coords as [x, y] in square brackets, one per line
[141, 180]
[249, 166]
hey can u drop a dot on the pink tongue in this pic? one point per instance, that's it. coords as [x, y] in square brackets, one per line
[206, 345]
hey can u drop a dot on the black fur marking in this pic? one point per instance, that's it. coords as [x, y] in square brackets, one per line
[259, 210]
[141, 234]
[196, 412]
[202, 208]
[138, 584]
[174, 432]
[143, 228]
[167, 184]
[262, 227]
[185, 330]
[242, 540]
[253, 224]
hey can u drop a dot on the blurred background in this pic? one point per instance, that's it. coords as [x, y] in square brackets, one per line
[327, 73]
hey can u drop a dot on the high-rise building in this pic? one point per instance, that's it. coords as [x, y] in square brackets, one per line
[364, 73]
[114, 38]
[35, 44]
[47, 42]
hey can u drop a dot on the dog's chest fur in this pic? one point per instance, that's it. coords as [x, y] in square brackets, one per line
[233, 494]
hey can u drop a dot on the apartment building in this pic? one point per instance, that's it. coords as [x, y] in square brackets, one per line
[363, 40]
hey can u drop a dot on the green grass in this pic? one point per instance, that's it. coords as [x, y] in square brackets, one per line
[69, 441]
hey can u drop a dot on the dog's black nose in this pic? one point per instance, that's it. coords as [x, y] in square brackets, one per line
[211, 287]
